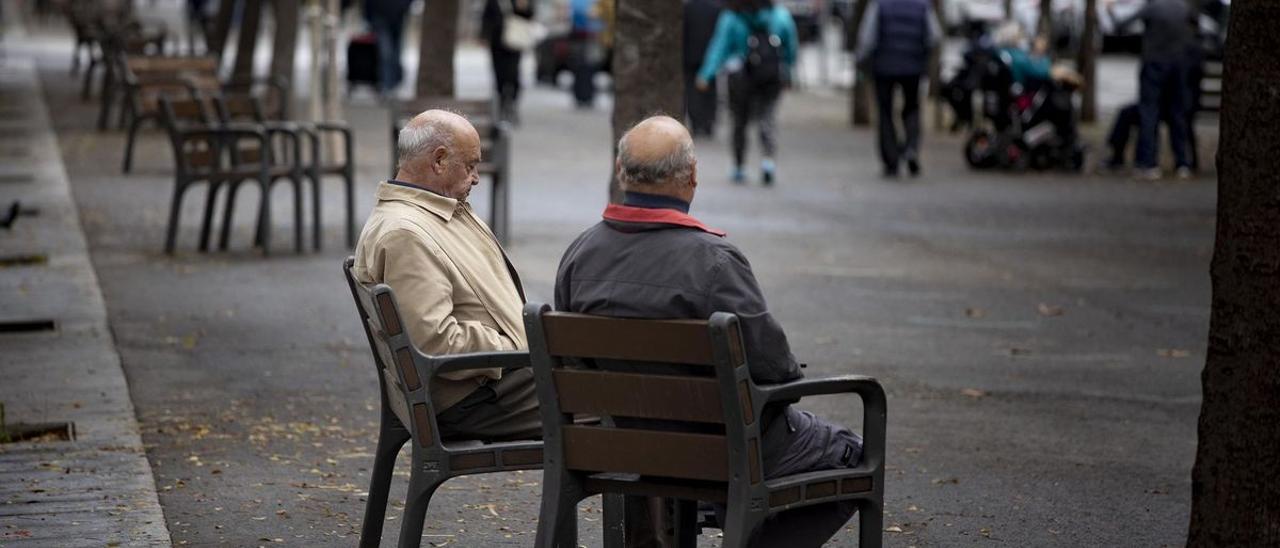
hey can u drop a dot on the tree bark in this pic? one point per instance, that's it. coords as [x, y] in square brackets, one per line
[860, 95]
[248, 41]
[284, 46]
[217, 40]
[1236, 480]
[1087, 63]
[436, 49]
[648, 41]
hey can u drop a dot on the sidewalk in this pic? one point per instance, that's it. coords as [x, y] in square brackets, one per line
[97, 489]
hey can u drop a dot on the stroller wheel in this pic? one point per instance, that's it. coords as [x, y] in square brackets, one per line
[980, 150]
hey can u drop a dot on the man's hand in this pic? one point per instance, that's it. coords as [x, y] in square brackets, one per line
[701, 84]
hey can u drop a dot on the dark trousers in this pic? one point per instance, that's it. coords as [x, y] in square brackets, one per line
[1161, 84]
[748, 103]
[583, 60]
[503, 410]
[388, 26]
[891, 149]
[699, 106]
[795, 442]
[506, 72]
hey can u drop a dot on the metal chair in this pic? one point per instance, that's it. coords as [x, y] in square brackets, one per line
[407, 414]
[684, 423]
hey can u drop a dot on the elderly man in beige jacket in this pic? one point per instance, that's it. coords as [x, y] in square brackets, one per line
[456, 288]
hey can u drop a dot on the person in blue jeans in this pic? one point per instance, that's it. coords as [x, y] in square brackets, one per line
[387, 19]
[751, 98]
[1168, 34]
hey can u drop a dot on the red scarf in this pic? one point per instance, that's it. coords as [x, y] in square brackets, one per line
[629, 214]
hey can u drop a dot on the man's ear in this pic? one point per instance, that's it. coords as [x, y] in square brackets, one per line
[617, 169]
[693, 174]
[438, 156]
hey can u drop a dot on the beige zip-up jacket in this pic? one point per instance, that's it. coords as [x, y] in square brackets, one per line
[456, 289]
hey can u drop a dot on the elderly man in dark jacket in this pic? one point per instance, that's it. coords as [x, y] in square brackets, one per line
[649, 258]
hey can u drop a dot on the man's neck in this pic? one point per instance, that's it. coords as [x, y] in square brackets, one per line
[404, 179]
[655, 200]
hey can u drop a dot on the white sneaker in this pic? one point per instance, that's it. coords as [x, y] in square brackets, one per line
[1185, 173]
[1147, 174]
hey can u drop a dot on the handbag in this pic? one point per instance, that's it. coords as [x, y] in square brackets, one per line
[518, 32]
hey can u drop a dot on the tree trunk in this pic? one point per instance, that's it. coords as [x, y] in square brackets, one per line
[248, 42]
[935, 71]
[1044, 27]
[217, 40]
[648, 41]
[1087, 63]
[860, 96]
[285, 44]
[1235, 485]
[435, 52]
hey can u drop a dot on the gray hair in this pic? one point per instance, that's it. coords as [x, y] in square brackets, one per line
[675, 166]
[419, 138]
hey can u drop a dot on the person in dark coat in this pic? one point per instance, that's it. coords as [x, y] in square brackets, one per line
[894, 42]
[387, 19]
[700, 18]
[506, 61]
[617, 268]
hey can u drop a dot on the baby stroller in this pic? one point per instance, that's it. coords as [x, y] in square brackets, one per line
[1031, 125]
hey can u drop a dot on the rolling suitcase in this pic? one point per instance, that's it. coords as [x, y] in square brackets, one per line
[362, 60]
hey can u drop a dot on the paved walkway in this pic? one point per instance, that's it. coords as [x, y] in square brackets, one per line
[96, 490]
[1040, 335]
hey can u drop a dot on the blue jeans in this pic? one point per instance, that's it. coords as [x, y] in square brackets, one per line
[1160, 84]
[388, 26]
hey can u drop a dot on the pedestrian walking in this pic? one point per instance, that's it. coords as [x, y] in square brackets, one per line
[700, 18]
[506, 60]
[894, 43]
[1168, 36]
[585, 49]
[386, 17]
[755, 42]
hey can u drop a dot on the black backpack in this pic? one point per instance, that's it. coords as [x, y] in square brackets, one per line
[763, 64]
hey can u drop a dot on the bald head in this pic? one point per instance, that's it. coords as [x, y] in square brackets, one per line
[439, 150]
[656, 156]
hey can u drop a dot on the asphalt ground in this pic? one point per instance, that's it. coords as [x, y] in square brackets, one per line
[1040, 335]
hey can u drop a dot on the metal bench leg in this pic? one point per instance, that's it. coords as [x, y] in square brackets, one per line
[871, 524]
[349, 180]
[298, 241]
[175, 209]
[391, 438]
[558, 518]
[224, 231]
[128, 145]
[316, 205]
[614, 512]
[421, 486]
[206, 224]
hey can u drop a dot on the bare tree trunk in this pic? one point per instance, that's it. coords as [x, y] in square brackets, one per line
[248, 42]
[435, 52]
[860, 96]
[1236, 480]
[1087, 63]
[935, 71]
[648, 41]
[1044, 27]
[285, 44]
[217, 40]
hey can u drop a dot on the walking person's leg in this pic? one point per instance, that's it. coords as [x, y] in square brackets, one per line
[1179, 106]
[740, 109]
[766, 112]
[888, 136]
[1121, 131]
[1149, 81]
[911, 122]
[397, 42]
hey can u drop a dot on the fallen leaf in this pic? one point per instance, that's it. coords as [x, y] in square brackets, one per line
[1173, 353]
[974, 312]
[1048, 310]
[944, 481]
[893, 529]
[973, 393]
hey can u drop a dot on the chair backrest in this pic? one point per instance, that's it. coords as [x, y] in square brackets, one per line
[676, 396]
[395, 358]
[183, 112]
[238, 107]
[482, 113]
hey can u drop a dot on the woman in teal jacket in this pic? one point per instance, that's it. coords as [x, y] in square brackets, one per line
[754, 84]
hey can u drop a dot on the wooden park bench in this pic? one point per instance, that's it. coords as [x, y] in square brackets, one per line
[147, 78]
[495, 148]
[405, 376]
[687, 431]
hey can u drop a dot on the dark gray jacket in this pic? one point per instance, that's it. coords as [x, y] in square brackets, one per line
[1169, 30]
[665, 270]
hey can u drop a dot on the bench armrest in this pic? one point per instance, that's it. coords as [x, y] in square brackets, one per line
[480, 360]
[874, 415]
